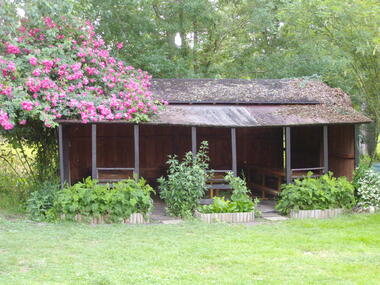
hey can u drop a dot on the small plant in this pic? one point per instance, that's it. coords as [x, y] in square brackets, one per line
[325, 192]
[115, 203]
[185, 183]
[41, 201]
[240, 200]
[369, 189]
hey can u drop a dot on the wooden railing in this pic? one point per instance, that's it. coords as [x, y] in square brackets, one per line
[114, 174]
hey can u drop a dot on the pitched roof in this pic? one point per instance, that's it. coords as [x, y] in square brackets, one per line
[251, 103]
[242, 91]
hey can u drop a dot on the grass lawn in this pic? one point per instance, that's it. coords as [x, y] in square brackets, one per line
[344, 250]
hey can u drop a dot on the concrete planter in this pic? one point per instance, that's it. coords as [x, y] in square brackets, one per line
[135, 218]
[316, 214]
[226, 217]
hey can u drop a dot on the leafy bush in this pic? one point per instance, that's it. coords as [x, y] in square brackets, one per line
[361, 170]
[115, 203]
[185, 183]
[325, 192]
[41, 201]
[240, 201]
[60, 68]
[369, 189]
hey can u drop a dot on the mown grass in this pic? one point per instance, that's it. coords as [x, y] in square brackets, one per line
[344, 250]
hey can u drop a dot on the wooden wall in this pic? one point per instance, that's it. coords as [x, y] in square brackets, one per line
[342, 150]
[306, 147]
[255, 146]
[260, 146]
[219, 142]
[156, 144]
[79, 151]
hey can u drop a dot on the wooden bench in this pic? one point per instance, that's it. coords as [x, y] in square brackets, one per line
[258, 177]
[114, 174]
[217, 182]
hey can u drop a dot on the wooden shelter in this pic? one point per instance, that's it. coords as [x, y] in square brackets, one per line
[271, 130]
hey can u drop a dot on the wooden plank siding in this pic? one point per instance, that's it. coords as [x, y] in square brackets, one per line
[342, 150]
[261, 147]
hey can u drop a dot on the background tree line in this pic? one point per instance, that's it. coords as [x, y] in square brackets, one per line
[337, 41]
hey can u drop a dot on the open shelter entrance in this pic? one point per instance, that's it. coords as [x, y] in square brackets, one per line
[266, 156]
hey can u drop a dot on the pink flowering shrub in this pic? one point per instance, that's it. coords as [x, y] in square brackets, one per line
[63, 70]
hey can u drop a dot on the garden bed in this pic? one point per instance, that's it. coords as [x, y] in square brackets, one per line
[240, 217]
[316, 214]
[135, 218]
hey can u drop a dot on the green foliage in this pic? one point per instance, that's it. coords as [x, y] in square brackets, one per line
[115, 203]
[361, 170]
[185, 183]
[41, 201]
[368, 191]
[325, 192]
[350, 31]
[240, 201]
[220, 205]
[17, 177]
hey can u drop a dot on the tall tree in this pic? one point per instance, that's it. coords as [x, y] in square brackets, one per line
[352, 28]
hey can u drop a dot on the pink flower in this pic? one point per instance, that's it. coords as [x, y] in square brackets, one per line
[119, 45]
[36, 72]
[11, 66]
[27, 105]
[12, 49]
[4, 120]
[22, 122]
[49, 22]
[33, 61]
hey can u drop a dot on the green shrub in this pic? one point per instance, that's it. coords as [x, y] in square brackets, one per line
[325, 192]
[41, 201]
[369, 189]
[360, 171]
[116, 203]
[185, 183]
[240, 200]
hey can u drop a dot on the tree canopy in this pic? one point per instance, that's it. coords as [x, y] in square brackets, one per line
[336, 41]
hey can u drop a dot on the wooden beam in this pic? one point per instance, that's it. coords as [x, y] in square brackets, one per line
[234, 156]
[61, 163]
[66, 155]
[94, 172]
[357, 153]
[325, 149]
[288, 166]
[194, 140]
[137, 150]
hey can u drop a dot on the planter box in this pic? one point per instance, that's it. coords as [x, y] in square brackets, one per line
[226, 217]
[370, 209]
[316, 214]
[135, 218]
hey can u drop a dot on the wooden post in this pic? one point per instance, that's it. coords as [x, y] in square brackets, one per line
[66, 155]
[61, 163]
[325, 149]
[233, 145]
[64, 158]
[357, 154]
[288, 166]
[137, 151]
[94, 172]
[194, 140]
